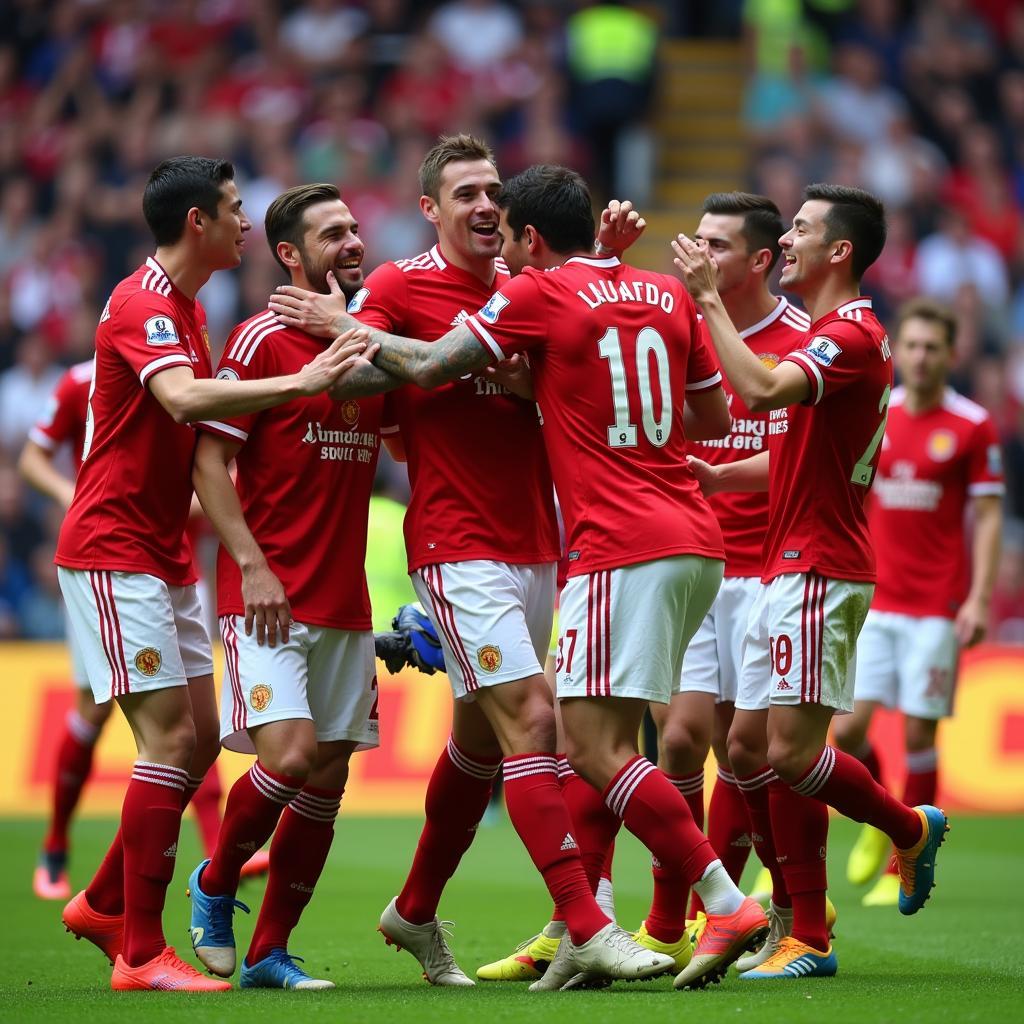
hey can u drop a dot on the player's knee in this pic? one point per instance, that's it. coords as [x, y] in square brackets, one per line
[296, 761]
[683, 747]
[847, 737]
[176, 745]
[95, 714]
[745, 758]
[788, 759]
[920, 734]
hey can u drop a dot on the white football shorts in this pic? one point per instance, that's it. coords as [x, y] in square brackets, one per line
[327, 676]
[78, 671]
[812, 624]
[714, 656]
[493, 619]
[134, 631]
[623, 632]
[908, 662]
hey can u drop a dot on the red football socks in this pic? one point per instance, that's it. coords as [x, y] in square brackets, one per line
[539, 815]
[594, 826]
[74, 765]
[456, 799]
[654, 811]
[297, 857]
[842, 782]
[800, 828]
[204, 796]
[150, 820]
[756, 789]
[254, 806]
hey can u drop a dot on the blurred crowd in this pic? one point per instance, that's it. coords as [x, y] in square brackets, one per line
[921, 102]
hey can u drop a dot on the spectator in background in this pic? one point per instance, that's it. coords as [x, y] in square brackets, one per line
[476, 34]
[953, 256]
[610, 51]
[856, 103]
[24, 391]
[318, 33]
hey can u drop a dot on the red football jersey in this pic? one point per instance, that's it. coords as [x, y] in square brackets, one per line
[63, 419]
[305, 474]
[931, 463]
[822, 465]
[135, 483]
[743, 515]
[481, 487]
[613, 351]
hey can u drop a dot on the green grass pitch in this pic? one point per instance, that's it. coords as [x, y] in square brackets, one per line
[958, 960]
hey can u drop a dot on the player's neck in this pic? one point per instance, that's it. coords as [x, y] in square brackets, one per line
[831, 295]
[481, 267]
[749, 307]
[187, 274]
[917, 401]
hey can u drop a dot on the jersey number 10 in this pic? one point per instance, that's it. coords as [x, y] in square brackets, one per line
[622, 433]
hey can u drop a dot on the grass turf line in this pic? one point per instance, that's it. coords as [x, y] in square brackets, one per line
[958, 959]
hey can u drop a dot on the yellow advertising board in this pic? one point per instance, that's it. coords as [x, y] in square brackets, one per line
[982, 748]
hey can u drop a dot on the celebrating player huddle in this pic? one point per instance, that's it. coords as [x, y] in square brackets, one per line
[679, 420]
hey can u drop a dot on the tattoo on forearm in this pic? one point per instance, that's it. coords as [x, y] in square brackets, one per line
[452, 356]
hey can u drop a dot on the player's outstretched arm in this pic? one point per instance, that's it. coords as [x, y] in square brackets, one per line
[266, 605]
[706, 415]
[187, 399]
[35, 464]
[760, 388]
[745, 475]
[972, 618]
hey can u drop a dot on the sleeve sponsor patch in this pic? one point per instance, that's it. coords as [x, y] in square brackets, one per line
[160, 330]
[995, 460]
[226, 373]
[495, 304]
[823, 350]
[355, 304]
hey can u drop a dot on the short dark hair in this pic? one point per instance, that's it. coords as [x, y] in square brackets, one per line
[556, 201]
[178, 184]
[285, 218]
[855, 215]
[450, 149]
[931, 311]
[762, 222]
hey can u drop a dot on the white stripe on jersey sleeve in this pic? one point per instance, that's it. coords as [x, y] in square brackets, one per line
[41, 439]
[389, 431]
[809, 363]
[703, 385]
[986, 487]
[175, 359]
[224, 428]
[486, 337]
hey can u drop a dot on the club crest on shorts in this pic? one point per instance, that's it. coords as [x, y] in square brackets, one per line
[260, 697]
[350, 412]
[489, 658]
[148, 661]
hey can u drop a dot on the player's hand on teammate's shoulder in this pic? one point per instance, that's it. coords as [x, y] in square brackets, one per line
[971, 623]
[620, 227]
[696, 267]
[706, 474]
[514, 374]
[313, 312]
[266, 605]
[335, 360]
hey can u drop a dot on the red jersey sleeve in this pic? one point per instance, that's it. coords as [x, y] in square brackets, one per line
[240, 362]
[59, 422]
[147, 335]
[381, 300]
[985, 461]
[834, 357]
[702, 372]
[514, 318]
